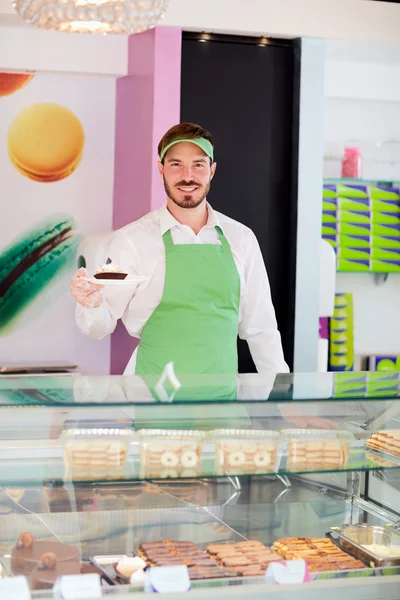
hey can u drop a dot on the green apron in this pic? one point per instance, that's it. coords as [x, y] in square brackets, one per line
[195, 326]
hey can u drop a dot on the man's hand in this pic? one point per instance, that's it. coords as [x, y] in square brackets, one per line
[87, 294]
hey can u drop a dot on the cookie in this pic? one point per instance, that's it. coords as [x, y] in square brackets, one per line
[170, 552]
[215, 548]
[250, 544]
[170, 454]
[251, 555]
[385, 441]
[316, 454]
[250, 451]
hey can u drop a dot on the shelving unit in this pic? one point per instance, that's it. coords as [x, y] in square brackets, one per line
[361, 220]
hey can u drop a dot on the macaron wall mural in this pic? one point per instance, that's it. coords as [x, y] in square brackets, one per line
[45, 142]
[56, 165]
[12, 82]
[33, 262]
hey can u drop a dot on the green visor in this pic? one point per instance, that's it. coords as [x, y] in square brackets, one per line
[202, 143]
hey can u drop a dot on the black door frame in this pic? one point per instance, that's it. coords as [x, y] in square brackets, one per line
[295, 44]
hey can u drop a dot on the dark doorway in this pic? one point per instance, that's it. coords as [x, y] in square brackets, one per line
[246, 94]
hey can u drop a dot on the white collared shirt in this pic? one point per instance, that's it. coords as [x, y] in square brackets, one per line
[139, 249]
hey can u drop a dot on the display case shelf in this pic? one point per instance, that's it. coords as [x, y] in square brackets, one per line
[76, 391]
[31, 473]
[388, 182]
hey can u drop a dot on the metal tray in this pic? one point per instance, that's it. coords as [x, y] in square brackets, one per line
[352, 538]
[107, 565]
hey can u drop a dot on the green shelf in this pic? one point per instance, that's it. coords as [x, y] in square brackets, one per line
[362, 181]
[371, 272]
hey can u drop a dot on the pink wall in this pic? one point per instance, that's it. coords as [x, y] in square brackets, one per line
[148, 103]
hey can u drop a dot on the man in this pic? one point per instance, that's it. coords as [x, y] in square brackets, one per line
[207, 278]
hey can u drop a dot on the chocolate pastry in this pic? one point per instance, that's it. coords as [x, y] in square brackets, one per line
[44, 579]
[45, 574]
[110, 275]
[240, 561]
[25, 540]
[28, 552]
[206, 573]
[48, 561]
[170, 552]
[250, 556]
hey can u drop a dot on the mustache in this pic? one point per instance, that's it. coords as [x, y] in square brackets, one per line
[188, 184]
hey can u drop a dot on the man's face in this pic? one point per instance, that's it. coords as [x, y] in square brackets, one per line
[187, 174]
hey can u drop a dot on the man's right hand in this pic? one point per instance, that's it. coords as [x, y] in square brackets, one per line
[86, 293]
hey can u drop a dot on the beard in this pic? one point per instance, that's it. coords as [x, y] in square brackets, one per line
[189, 200]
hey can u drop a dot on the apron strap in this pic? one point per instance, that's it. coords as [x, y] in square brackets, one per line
[167, 237]
[222, 238]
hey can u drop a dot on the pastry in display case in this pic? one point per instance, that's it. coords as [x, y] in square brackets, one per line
[49, 569]
[169, 553]
[92, 454]
[170, 453]
[320, 554]
[386, 441]
[28, 552]
[248, 559]
[315, 449]
[245, 451]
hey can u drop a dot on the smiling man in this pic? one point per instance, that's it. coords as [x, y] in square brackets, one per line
[207, 281]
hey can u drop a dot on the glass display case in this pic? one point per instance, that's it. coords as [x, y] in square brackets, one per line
[102, 466]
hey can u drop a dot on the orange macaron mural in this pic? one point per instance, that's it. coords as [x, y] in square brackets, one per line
[12, 82]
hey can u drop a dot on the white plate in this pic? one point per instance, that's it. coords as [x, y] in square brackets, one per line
[130, 280]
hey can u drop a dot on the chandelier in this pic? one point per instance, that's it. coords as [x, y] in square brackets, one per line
[92, 16]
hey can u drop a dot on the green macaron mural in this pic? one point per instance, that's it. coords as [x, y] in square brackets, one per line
[33, 266]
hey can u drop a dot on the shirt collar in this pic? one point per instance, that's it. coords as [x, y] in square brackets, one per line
[167, 221]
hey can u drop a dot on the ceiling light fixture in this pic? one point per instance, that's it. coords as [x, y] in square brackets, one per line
[92, 16]
[205, 37]
[264, 40]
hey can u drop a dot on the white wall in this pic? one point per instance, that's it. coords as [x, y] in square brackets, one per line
[362, 105]
[376, 313]
[29, 49]
[339, 19]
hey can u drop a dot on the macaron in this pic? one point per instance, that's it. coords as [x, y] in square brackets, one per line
[12, 82]
[33, 263]
[45, 142]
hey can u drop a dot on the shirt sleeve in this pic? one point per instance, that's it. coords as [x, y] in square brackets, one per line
[101, 321]
[258, 324]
